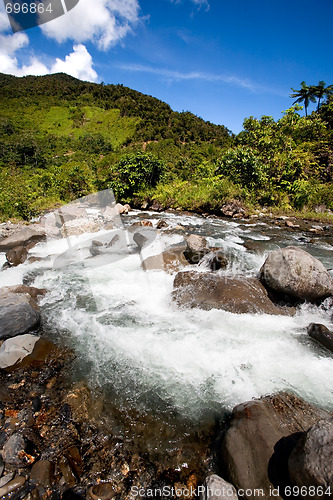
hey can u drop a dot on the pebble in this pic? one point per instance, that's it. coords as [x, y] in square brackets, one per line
[17, 482]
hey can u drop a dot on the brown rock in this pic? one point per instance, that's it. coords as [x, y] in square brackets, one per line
[234, 294]
[262, 433]
[42, 473]
[322, 334]
[16, 256]
[23, 238]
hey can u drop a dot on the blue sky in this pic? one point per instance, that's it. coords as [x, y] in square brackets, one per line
[222, 60]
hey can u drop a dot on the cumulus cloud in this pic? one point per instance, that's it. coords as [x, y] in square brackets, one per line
[79, 64]
[103, 22]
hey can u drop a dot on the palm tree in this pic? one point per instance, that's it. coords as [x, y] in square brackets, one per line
[321, 91]
[305, 94]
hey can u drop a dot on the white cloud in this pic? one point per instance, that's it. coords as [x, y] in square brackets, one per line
[79, 64]
[103, 22]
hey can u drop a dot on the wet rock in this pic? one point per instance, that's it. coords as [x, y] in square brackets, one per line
[294, 272]
[13, 350]
[233, 209]
[23, 238]
[13, 485]
[42, 473]
[210, 291]
[214, 260]
[310, 463]
[16, 256]
[322, 334]
[2, 466]
[14, 453]
[67, 472]
[5, 479]
[196, 248]
[217, 488]
[17, 316]
[80, 226]
[121, 209]
[161, 224]
[101, 491]
[24, 350]
[171, 260]
[261, 436]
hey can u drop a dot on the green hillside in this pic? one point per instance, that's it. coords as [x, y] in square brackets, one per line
[61, 138]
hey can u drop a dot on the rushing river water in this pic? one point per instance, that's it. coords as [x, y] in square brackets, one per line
[150, 357]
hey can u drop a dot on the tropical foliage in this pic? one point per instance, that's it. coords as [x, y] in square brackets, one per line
[61, 138]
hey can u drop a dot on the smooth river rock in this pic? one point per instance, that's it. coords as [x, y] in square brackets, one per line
[260, 438]
[216, 488]
[23, 237]
[321, 334]
[234, 294]
[196, 249]
[311, 462]
[18, 310]
[294, 272]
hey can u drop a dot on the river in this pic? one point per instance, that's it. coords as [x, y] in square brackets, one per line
[157, 363]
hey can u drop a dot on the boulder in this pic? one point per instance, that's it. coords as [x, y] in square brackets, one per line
[24, 350]
[171, 260]
[121, 209]
[196, 249]
[17, 255]
[80, 226]
[23, 238]
[294, 272]
[13, 350]
[322, 335]
[18, 311]
[216, 488]
[211, 291]
[310, 463]
[260, 438]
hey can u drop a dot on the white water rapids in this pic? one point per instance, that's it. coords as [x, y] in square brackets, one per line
[153, 355]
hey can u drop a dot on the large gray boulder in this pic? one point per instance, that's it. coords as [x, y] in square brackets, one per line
[211, 291]
[311, 462]
[294, 272]
[261, 435]
[24, 237]
[18, 311]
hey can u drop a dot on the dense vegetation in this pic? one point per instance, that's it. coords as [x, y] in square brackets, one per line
[61, 138]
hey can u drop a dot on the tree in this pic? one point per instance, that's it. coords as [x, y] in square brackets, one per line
[321, 91]
[305, 94]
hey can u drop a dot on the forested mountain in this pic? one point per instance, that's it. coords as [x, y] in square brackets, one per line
[61, 138]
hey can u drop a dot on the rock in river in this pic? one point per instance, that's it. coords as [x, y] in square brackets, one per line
[18, 311]
[261, 436]
[294, 272]
[211, 291]
[24, 237]
[310, 463]
[322, 335]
